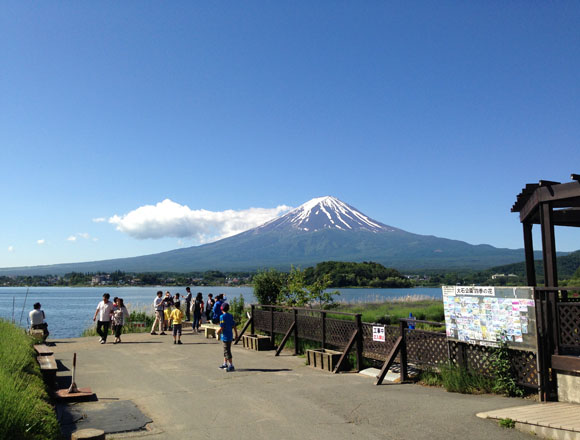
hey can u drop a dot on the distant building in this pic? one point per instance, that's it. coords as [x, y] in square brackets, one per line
[101, 280]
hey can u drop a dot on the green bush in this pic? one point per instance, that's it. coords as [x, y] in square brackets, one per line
[26, 412]
[431, 378]
[500, 362]
[134, 316]
[507, 423]
[461, 380]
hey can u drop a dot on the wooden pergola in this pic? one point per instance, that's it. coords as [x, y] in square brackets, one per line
[552, 204]
[547, 204]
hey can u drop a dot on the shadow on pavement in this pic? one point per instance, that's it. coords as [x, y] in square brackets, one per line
[111, 417]
[264, 370]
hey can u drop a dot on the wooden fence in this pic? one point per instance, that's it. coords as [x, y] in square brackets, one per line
[422, 348]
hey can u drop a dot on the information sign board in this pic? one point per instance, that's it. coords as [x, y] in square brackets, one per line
[481, 315]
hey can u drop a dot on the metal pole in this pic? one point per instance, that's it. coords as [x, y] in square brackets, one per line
[23, 305]
[73, 386]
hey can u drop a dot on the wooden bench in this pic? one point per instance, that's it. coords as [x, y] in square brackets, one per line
[210, 330]
[43, 350]
[48, 366]
[37, 334]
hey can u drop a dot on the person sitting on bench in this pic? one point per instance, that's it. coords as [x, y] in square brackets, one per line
[37, 320]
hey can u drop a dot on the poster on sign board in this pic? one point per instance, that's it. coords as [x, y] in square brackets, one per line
[482, 315]
[378, 333]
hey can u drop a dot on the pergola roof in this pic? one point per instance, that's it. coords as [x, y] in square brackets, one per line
[564, 198]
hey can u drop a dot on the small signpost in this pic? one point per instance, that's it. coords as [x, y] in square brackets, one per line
[379, 333]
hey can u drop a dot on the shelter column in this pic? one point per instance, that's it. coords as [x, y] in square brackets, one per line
[548, 245]
[529, 252]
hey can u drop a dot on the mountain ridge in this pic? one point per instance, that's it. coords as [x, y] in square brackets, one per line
[322, 229]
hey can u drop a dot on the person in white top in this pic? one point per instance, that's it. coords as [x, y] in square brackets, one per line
[37, 320]
[158, 307]
[104, 310]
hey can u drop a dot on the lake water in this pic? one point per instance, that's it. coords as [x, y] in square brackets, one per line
[70, 310]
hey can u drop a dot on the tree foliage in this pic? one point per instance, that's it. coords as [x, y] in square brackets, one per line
[299, 293]
[346, 274]
[268, 285]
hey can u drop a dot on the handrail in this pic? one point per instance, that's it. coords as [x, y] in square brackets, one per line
[552, 288]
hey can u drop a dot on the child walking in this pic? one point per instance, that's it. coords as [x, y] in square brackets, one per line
[225, 332]
[176, 318]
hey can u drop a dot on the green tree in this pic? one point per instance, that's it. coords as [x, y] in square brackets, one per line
[268, 285]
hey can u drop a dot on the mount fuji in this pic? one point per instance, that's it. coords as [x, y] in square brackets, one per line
[321, 229]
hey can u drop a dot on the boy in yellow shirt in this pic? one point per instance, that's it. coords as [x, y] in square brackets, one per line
[176, 318]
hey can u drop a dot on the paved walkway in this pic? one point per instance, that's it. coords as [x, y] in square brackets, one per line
[556, 420]
[181, 389]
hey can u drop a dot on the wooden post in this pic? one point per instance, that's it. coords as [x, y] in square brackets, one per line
[252, 329]
[295, 332]
[548, 245]
[323, 314]
[403, 352]
[359, 342]
[529, 252]
[272, 338]
[461, 355]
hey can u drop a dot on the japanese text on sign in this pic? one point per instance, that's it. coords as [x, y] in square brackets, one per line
[378, 334]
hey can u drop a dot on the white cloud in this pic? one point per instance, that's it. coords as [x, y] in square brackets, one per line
[78, 235]
[41, 241]
[170, 219]
[10, 248]
[100, 220]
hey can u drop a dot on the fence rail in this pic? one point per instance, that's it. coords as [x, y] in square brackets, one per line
[424, 348]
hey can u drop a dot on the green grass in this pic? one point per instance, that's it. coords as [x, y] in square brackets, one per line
[457, 380]
[390, 312]
[431, 378]
[25, 410]
[507, 423]
[134, 316]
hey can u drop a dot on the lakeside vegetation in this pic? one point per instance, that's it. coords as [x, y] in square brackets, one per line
[26, 412]
[390, 312]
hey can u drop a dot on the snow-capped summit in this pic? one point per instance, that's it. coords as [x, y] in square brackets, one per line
[326, 213]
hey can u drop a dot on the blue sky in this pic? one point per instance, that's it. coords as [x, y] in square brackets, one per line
[129, 128]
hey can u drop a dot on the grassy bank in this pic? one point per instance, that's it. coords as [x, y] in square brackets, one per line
[389, 312]
[25, 409]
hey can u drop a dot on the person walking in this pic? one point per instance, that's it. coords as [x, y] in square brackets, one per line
[120, 313]
[158, 306]
[188, 298]
[197, 309]
[226, 333]
[104, 310]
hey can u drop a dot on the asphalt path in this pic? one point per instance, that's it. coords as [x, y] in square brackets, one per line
[181, 389]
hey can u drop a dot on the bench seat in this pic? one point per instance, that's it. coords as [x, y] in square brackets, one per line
[43, 350]
[210, 330]
[47, 364]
